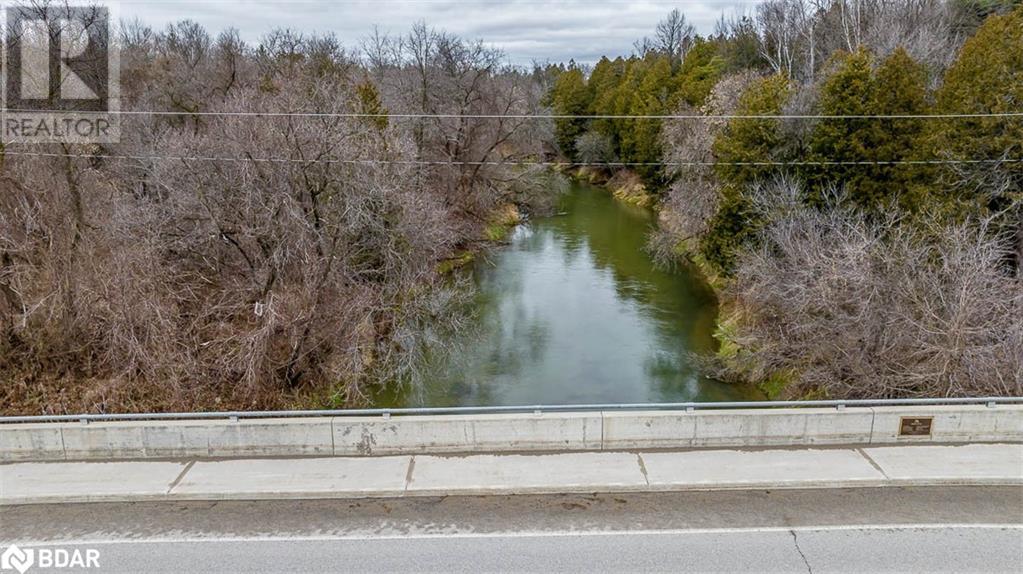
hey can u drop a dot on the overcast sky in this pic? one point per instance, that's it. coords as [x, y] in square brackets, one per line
[524, 29]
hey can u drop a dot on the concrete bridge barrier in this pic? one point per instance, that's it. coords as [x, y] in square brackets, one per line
[594, 430]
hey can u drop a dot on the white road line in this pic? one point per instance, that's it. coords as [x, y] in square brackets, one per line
[515, 534]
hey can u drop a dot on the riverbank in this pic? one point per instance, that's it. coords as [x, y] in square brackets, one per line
[572, 309]
[626, 186]
[499, 225]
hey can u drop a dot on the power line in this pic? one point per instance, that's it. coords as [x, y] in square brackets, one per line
[532, 116]
[512, 163]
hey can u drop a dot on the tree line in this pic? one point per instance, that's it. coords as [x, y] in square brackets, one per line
[217, 260]
[857, 255]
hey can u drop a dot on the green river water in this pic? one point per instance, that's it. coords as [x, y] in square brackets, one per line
[573, 311]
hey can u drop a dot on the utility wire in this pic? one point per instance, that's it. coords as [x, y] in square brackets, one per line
[532, 116]
[509, 163]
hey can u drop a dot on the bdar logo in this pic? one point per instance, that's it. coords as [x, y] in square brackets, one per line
[15, 558]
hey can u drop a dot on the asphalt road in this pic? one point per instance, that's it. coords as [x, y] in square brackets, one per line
[969, 529]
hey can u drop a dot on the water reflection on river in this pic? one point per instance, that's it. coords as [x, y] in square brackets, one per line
[573, 311]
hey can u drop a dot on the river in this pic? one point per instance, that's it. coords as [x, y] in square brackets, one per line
[574, 311]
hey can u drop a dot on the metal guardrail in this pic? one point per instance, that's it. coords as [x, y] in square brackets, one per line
[692, 406]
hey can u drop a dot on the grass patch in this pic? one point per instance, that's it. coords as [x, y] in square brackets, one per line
[496, 232]
[502, 221]
[776, 384]
[458, 261]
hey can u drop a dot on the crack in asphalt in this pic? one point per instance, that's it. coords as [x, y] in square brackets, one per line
[795, 540]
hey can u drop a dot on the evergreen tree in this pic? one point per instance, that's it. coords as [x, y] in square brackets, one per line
[901, 89]
[744, 141]
[700, 70]
[624, 105]
[849, 90]
[753, 139]
[570, 97]
[897, 87]
[370, 105]
[740, 45]
[654, 97]
[986, 78]
[604, 84]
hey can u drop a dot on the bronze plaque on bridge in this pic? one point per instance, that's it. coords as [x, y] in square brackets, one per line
[915, 426]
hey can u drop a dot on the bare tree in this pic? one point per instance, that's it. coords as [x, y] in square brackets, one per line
[215, 259]
[675, 35]
[858, 308]
[798, 36]
[693, 197]
[465, 94]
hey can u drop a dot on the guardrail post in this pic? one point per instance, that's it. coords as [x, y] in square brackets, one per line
[386, 415]
[234, 418]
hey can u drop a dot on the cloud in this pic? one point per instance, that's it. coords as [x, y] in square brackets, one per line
[525, 30]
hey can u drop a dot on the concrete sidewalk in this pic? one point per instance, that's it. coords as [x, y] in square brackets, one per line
[587, 472]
